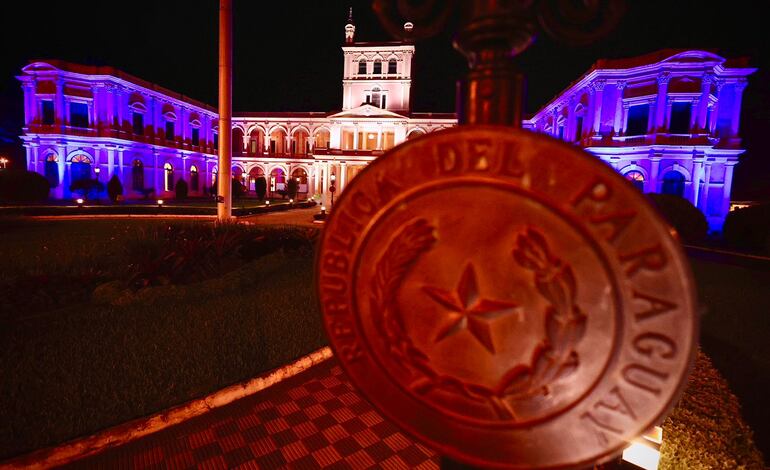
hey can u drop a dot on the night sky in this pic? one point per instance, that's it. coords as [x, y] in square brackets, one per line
[287, 55]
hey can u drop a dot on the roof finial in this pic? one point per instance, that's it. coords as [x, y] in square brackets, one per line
[350, 27]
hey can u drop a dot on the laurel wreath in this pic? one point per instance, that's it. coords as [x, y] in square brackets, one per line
[553, 359]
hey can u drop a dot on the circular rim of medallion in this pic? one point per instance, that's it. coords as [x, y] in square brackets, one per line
[564, 216]
[367, 386]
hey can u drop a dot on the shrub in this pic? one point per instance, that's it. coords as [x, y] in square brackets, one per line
[291, 188]
[114, 188]
[688, 221]
[23, 186]
[260, 187]
[748, 229]
[238, 190]
[88, 188]
[181, 189]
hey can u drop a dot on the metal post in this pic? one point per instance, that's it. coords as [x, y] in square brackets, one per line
[224, 193]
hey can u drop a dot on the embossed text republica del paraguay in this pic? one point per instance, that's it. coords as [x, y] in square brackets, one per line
[507, 298]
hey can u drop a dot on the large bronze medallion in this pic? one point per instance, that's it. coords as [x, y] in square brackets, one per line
[507, 298]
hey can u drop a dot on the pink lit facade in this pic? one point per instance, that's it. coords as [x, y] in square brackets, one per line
[95, 122]
[667, 121]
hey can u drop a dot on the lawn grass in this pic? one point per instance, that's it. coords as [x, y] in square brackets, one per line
[75, 370]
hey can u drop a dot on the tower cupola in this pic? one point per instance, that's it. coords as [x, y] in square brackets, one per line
[350, 28]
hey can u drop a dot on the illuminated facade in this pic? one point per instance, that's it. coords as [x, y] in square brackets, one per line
[667, 121]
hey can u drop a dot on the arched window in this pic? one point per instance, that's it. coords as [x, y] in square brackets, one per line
[636, 178]
[673, 183]
[377, 69]
[254, 174]
[194, 181]
[277, 180]
[579, 110]
[168, 180]
[300, 176]
[238, 174]
[376, 93]
[362, 67]
[137, 175]
[52, 170]
[214, 178]
[80, 168]
[392, 67]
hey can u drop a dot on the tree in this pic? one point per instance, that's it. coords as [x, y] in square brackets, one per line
[89, 188]
[291, 188]
[689, 222]
[114, 188]
[23, 186]
[260, 187]
[238, 191]
[181, 189]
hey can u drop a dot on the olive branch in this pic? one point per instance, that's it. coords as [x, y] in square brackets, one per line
[553, 359]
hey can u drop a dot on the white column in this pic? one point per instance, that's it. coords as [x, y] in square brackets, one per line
[121, 168]
[715, 109]
[343, 176]
[706, 187]
[325, 188]
[597, 106]
[355, 137]
[697, 169]
[30, 162]
[737, 98]
[660, 105]
[726, 188]
[62, 151]
[379, 137]
[703, 103]
[156, 175]
[110, 162]
[59, 111]
[654, 170]
[618, 108]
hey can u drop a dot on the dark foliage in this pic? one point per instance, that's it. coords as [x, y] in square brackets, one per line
[181, 189]
[291, 188]
[260, 187]
[114, 188]
[88, 188]
[689, 222]
[238, 190]
[23, 186]
[748, 229]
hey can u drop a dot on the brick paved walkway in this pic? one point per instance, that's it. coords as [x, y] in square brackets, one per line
[313, 420]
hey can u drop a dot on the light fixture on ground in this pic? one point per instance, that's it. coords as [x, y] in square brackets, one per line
[644, 452]
[160, 202]
[79, 201]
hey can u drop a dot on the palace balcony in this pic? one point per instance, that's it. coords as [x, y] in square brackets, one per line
[653, 139]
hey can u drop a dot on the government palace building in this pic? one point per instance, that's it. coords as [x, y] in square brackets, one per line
[667, 121]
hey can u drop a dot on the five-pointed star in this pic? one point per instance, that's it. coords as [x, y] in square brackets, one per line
[467, 310]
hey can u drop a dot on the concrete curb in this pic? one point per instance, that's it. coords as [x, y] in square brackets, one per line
[132, 430]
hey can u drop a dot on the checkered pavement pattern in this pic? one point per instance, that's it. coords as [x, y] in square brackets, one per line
[313, 420]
